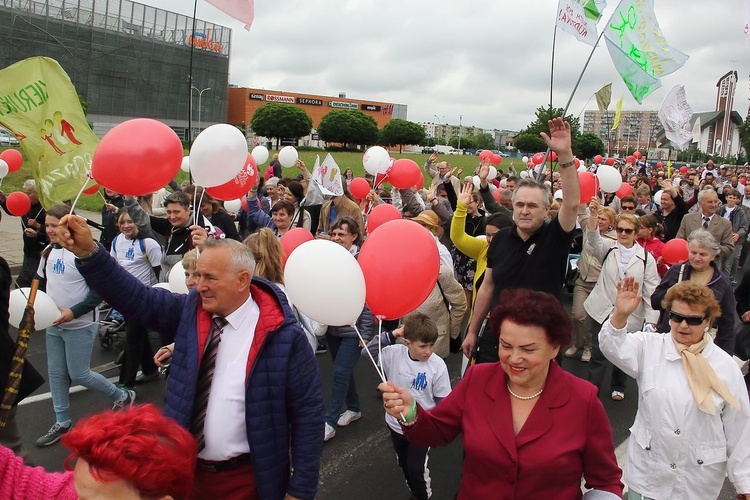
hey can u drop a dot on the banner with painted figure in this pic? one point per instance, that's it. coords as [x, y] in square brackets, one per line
[675, 114]
[638, 48]
[579, 18]
[39, 104]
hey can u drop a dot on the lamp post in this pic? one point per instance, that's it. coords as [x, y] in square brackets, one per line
[200, 95]
[460, 117]
[440, 119]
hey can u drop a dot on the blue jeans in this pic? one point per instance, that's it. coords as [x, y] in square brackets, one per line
[345, 353]
[69, 355]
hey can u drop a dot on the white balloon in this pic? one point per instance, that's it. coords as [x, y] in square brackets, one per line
[307, 277]
[185, 167]
[610, 179]
[525, 159]
[376, 160]
[218, 155]
[45, 309]
[477, 182]
[233, 206]
[657, 197]
[524, 174]
[177, 279]
[162, 285]
[4, 168]
[260, 153]
[493, 172]
[582, 168]
[557, 195]
[288, 156]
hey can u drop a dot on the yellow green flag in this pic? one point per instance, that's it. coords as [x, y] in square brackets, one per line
[618, 112]
[39, 104]
[603, 97]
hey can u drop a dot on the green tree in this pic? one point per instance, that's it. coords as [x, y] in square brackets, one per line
[400, 132]
[543, 115]
[588, 145]
[348, 127]
[281, 121]
[84, 105]
[529, 143]
[484, 141]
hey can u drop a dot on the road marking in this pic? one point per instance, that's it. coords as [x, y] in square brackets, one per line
[48, 395]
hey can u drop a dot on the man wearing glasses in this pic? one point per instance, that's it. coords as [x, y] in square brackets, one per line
[628, 205]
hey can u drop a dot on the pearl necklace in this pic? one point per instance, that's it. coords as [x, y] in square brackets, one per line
[524, 398]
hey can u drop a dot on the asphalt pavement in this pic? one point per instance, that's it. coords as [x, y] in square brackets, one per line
[358, 462]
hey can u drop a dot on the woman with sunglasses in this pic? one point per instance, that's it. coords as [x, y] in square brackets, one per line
[619, 259]
[693, 422]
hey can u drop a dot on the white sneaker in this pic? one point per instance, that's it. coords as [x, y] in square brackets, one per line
[348, 417]
[572, 351]
[330, 432]
[586, 356]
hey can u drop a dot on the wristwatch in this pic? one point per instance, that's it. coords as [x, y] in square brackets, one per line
[567, 163]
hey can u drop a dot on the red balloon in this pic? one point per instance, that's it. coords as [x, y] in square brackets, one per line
[630, 159]
[537, 159]
[380, 215]
[496, 159]
[577, 162]
[359, 188]
[610, 161]
[625, 190]
[404, 173]
[240, 185]
[589, 186]
[18, 203]
[91, 190]
[486, 154]
[659, 165]
[552, 156]
[637, 155]
[675, 251]
[742, 181]
[683, 169]
[294, 238]
[598, 159]
[13, 158]
[496, 195]
[413, 273]
[137, 157]
[420, 182]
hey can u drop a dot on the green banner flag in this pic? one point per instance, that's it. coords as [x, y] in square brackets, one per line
[39, 104]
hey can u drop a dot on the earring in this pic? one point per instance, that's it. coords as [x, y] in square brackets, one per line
[705, 329]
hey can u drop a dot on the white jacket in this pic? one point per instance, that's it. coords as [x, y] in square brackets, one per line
[677, 451]
[600, 304]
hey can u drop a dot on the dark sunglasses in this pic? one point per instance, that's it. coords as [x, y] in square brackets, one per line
[690, 320]
[623, 207]
[625, 230]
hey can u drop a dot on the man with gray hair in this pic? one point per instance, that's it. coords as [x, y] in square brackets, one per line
[532, 253]
[706, 218]
[34, 236]
[243, 377]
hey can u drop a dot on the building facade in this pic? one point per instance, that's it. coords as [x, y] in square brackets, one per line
[243, 102]
[637, 130]
[126, 60]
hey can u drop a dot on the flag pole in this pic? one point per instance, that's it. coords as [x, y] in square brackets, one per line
[552, 65]
[190, 87]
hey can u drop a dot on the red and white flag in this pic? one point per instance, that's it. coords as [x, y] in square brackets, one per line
[242, 10]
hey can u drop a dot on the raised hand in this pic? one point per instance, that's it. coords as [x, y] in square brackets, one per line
[74, 235]
[628, 298]
[558, 139]
[466, 191]
[484, 171]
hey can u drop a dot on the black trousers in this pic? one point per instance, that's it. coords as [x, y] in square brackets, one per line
[598, 364]
[413, 461]
[138, 353]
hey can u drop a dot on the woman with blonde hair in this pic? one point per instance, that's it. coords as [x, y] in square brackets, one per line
[269, 255]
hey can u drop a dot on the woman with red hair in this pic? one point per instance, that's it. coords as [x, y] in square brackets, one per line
[530, 430]
[133, 454]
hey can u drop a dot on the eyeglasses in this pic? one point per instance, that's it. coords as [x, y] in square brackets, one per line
[690, 320]
[339, 234]
[625, 230]
[623, 207]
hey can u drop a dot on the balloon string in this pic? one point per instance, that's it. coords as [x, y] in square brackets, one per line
[380, 349]
[380, 374]
[100, 194]
[75, 202]
[198, 206]
[1, 181]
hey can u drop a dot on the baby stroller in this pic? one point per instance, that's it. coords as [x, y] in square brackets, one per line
[111, 329]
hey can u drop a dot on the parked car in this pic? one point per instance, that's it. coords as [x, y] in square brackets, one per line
[454, 152]
[428, 151]
[8, 139]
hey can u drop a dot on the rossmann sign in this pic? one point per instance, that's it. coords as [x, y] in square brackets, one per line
[280, 98]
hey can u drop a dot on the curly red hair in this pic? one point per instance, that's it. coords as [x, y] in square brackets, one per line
[140, 445]
[531, 308]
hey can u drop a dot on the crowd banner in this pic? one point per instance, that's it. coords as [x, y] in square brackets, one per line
[638, 48]
[328, 176]
[579, 18]
[674, 115]
[40, 105]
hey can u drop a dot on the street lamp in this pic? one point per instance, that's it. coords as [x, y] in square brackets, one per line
[439, 119]
[200, 95]
[460, 117]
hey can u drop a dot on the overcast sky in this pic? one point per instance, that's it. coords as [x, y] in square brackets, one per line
[486, 60]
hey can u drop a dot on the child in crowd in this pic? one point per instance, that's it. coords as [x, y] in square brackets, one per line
[414, 365]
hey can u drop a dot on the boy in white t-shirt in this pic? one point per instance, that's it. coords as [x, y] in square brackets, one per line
[413, 365]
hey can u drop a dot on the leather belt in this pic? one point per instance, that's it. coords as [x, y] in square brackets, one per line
[224, 465]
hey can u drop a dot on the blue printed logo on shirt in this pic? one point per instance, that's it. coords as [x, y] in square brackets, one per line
[58, 267]
[420, 382]
[130, 254]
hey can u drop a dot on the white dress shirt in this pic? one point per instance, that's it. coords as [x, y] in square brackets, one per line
[677, 451]
[224, 430]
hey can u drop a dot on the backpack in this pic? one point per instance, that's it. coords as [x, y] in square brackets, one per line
[140, 243]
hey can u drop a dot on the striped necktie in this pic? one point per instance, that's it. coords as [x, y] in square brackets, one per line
[205, 376]
[706, 220]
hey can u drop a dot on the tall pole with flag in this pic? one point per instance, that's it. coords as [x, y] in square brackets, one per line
[25, 329]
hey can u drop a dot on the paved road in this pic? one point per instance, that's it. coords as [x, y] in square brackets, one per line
[358, 462]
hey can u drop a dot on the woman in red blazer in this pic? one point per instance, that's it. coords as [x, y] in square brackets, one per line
[530, 429]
